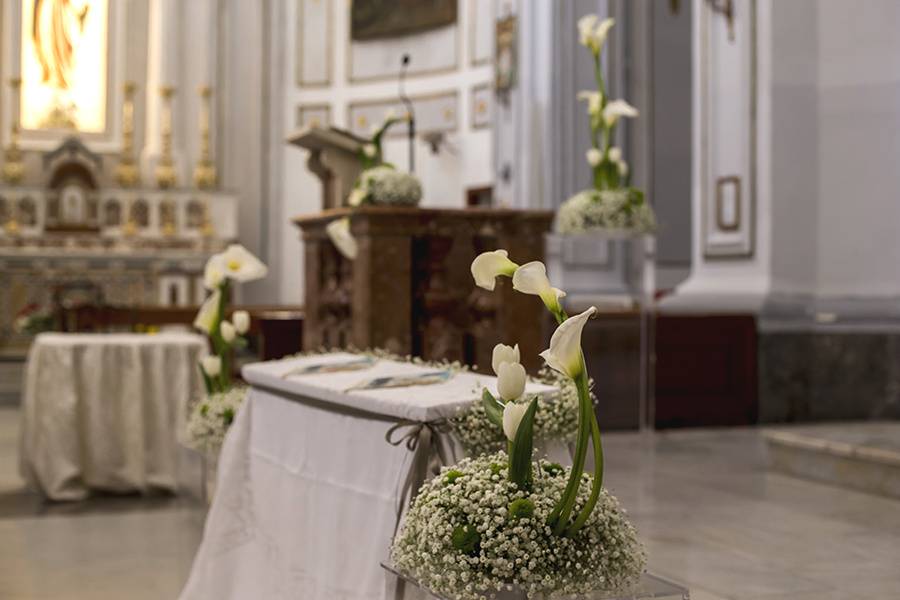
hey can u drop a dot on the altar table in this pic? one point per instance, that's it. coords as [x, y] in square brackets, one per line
[105, 411]
[309, 489]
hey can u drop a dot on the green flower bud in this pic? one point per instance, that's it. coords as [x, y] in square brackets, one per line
[452, 475]
[465, 538]
[521, 508]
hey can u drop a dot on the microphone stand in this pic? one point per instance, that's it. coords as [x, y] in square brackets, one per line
[411, 120]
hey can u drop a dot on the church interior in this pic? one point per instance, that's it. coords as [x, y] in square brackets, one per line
[370, 299]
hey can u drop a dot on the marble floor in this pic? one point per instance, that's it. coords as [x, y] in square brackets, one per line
[712, 516]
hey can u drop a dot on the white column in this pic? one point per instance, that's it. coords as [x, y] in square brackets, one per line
[163, 55]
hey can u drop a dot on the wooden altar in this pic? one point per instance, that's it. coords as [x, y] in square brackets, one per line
[410, 289]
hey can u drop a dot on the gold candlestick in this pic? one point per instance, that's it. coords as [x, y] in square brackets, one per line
[205, 171]
[127, 174]
[165, 169]
[14, 167]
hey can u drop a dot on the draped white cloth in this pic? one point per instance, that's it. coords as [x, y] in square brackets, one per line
[106, 411]
[308, 490]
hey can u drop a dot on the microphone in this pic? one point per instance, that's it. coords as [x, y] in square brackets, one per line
[411, 121]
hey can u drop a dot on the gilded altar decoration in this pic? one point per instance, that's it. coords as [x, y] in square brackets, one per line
[205, 171]
[64, 65]
[165, 169]
[13, 167]
[127, 174]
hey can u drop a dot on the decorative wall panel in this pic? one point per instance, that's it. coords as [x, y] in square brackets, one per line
[314, 43]
[482, 108]
[481, 31]
[439, 112]
[431, 52]
[313, 114]
[728, 130]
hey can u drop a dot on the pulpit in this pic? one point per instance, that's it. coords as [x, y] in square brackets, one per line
[333, 157]
[410, 289]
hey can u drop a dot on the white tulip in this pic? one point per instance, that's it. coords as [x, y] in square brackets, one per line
[564, 354]
[212, 365]
[227, 331]
[511, 381]
[214, 272]
[512, 417]
[504, 354]
[487, 266]
[241, 265]
[531, 278]
[370, 150]
[241, 320]
[594, 157]
[615, 154]
[209, 312]
[339, 232]
[594, 102]
[617, 109]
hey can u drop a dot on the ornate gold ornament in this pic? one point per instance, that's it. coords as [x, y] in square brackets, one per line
[127, 173]
[13, 166]
[165, 168]
[205, 171]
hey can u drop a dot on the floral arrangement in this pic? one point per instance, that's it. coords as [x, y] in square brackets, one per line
[235, 264]
[32, 320]
[379, 184]
[211, 417]
[612, 204]
[504, 521]
[556, 418]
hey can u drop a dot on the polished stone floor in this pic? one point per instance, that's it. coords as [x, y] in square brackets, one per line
[711, 514]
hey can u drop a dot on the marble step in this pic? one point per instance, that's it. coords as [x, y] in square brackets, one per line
[859, 456]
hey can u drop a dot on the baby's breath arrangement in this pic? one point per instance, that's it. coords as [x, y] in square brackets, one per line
[471, 532]
[503, 521]
[556, 419]
[212, 416]
[383, 186]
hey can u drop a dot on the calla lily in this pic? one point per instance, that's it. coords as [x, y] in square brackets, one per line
[209, 312]
[212, 365]
[594, 156]
[615, 154]
[512, 416]
[564, 354]
[593, 34]
[617, 109]
[343, 240]
[370, 150]
[227, 331]
[531, 278]
[240, 265]
[356, 197]
[594, 102]
[511, 381]
[504, 354]
[241, 320]
[214, 272]
[623, 168]
[488, 265]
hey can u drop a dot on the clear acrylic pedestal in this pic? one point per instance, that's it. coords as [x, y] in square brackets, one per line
[649, 587]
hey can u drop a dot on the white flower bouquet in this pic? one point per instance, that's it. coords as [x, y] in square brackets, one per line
[385, 186]
[612, 204]
[504, 521]
[211, 417]
[33, 319]
[556, 419]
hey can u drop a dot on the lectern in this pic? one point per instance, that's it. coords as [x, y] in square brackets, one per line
[333, 157]
[410, 289]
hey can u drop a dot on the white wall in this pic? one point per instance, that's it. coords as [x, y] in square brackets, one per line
[464, 162]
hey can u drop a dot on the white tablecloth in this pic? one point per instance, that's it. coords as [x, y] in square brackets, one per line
[305, 505]
[105, 411]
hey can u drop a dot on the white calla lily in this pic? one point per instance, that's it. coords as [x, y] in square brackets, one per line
[617, 109]
[212, 365]
[356, 197]
[213, 272]
[240, 265]
[594, 102]
[623, 168]
[512, 417]
[586, 25]
[227, 331]
[370, 150]
[615, 154]
[504, 354]
[511, 381]
[531, 278]
[564, 353]
[339, 233]
[208, 313]
[487, 266]
[241, 320]
[594, 157]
